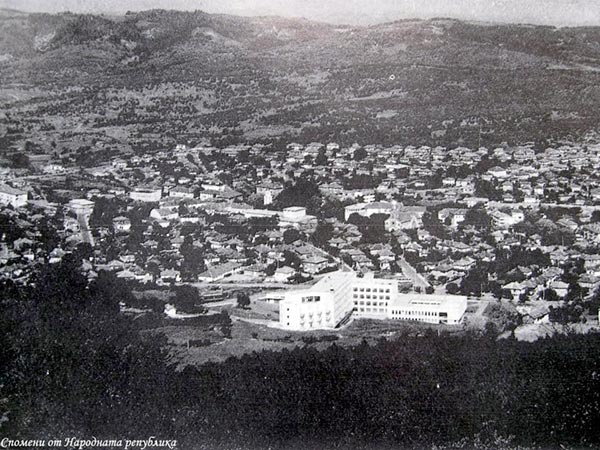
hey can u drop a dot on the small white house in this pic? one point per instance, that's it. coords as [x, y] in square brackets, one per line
[283, 274]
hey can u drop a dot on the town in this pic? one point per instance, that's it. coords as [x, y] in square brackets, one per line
[300, 225]
[456, 231]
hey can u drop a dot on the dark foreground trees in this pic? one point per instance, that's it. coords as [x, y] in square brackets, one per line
[71, 366]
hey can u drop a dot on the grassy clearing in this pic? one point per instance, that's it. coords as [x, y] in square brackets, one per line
[247, 337]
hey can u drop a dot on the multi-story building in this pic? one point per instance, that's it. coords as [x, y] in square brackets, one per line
[325, 305]
[372, 296]
[438, 309]
[269, 191]
[164, 215]
[454, 215]
[400, 217]
[341, 295]
[506, 220]
[314, 263]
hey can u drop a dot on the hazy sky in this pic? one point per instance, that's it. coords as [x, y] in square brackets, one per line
[551, 12]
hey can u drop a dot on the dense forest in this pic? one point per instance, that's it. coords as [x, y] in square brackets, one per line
[72, 365]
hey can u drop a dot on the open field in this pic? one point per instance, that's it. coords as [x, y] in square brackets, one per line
[249, 333]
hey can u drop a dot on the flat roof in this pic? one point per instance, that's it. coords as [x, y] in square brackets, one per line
[370, 280]
[6, 189]
[334, 281]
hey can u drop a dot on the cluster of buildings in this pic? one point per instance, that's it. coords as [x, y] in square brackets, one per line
[443, 213]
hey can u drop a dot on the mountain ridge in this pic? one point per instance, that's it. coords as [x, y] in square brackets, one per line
[318, 81]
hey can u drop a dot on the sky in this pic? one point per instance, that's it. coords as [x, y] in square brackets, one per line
[354, 12]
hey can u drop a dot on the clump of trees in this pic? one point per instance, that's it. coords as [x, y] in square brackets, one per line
[372, 228]
[71, 361]
[243, 300]
[304, 192]
[187, 299]
[20, 161]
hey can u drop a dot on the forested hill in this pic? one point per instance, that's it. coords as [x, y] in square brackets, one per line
[438, 81]
[72, 366]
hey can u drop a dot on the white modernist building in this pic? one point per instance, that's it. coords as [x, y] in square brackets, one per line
[437, 309]
[339, 295]
[324, 305]
[371, 297]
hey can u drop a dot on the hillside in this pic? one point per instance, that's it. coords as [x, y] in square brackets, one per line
[188, 75]
[82, 370]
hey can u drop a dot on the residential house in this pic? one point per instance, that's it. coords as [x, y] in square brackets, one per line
[220, 271]
[121, 224]
[314, 264]
[11, 196]
[283, 274]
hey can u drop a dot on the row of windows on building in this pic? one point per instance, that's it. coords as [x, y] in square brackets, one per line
[382, 297]
[362, 289]
[311, 299]
[413, 319]
[310, 324]
[368, 303]
[318, 321]
[371, 310]
[318, 313]
[415, 313]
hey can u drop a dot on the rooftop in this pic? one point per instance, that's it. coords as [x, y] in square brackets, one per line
[334, 281]
[6, 189]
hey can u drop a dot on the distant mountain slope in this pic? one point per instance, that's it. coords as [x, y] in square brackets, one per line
[439, 81]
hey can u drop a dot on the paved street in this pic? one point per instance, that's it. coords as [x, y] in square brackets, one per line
[408, 270]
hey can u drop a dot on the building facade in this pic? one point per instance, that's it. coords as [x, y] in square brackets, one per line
[325, 305]
[12, 196]
[296, 217]
[341, 295]
[372, 296]
[146, 195]
[437, 309]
